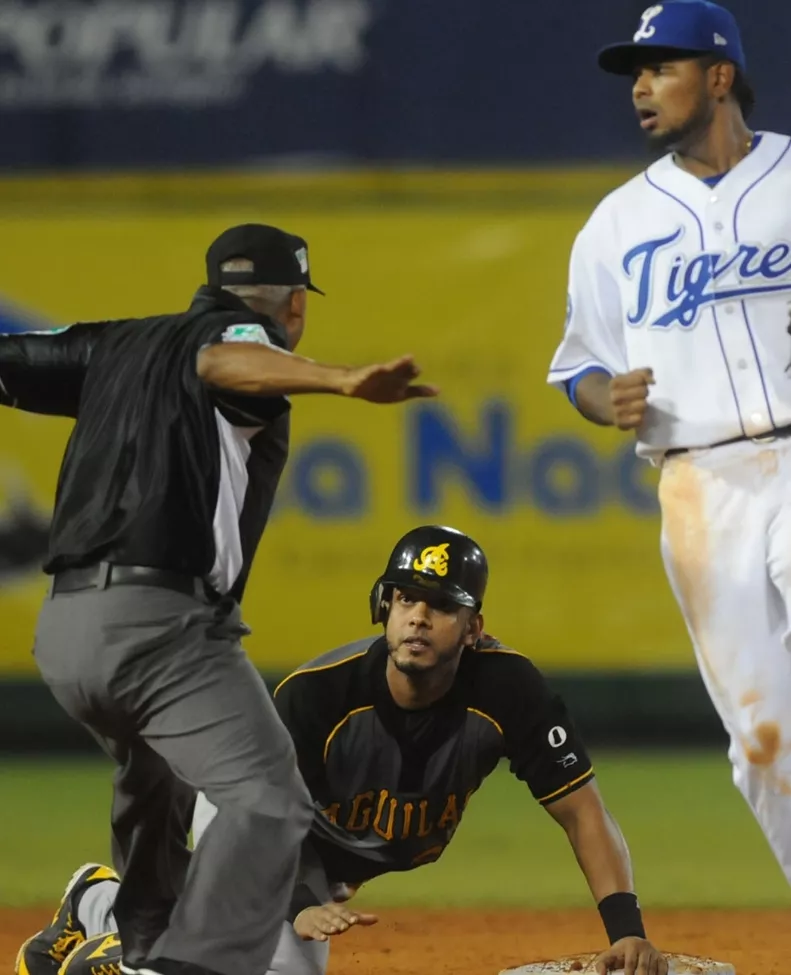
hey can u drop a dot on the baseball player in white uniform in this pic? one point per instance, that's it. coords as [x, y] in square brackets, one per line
[677, 329]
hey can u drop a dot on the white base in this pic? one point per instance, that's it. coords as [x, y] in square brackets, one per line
[584, 965]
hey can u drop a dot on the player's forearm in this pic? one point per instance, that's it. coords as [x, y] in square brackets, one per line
[601, 852]
[603, 856]
[266, 371]
[593, 398]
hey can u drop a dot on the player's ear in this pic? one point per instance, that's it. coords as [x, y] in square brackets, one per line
[474, 630]
[721, 78]
[298, 301]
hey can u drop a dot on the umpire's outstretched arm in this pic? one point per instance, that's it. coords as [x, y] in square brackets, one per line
[43, 372]
[264, 370]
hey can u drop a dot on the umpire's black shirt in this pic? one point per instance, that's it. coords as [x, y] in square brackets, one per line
[160, 470]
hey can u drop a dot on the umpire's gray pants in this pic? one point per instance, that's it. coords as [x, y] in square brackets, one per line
[162, 682]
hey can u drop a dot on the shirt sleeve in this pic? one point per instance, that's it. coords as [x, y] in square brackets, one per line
[542, 744]
[593, 337]
[240, 409]
[43, 372]
[300, 702]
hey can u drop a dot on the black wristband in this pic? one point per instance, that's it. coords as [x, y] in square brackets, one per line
[621, 916]
[302, 898]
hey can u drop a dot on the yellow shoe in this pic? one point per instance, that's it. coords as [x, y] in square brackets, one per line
[100, 955]
[45, 952]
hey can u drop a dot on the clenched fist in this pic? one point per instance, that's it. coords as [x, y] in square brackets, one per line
[629, 397]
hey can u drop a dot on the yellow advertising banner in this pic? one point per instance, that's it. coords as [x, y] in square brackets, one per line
[565, 512]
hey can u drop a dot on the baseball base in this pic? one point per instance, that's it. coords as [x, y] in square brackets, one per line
[583, 965]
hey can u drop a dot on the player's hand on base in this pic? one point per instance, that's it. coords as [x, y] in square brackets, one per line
[321, 922]
[629, 397]
[633, 956]
[389, 382]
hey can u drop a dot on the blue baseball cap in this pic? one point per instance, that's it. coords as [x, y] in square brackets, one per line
[690, 27]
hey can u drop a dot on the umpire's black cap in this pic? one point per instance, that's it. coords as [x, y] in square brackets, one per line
[277, 257]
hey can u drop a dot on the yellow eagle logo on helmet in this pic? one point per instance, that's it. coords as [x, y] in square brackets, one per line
[433, 559]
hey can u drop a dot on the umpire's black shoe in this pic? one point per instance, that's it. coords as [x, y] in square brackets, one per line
[45, 952]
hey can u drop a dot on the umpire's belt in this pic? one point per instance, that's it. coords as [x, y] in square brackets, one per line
[769, 437]
[105, 574]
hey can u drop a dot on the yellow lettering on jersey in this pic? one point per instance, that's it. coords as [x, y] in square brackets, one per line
[423, 828]
[450, 814]
[408, 808]
[387, 832]
[352, 825]
[331, 813]
[111, 941]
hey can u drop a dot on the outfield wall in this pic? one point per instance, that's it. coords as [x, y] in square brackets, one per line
[476, 289]
[468, 271]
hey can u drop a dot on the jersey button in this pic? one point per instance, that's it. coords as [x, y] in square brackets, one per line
[757, 418]
[742, 363]
[715, 199]
[729, 309]
[719, 227]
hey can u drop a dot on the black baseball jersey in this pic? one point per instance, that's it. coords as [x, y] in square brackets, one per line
[393, 784]
[159, 470]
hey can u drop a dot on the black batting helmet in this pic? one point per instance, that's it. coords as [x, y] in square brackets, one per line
[435, 558]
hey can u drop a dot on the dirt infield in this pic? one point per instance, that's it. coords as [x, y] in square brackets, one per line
[484, 942]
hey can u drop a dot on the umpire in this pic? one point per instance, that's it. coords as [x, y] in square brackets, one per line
[181, 435]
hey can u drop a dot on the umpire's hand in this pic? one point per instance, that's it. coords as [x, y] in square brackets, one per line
[632, 956]
[389, 382]
[319, 923]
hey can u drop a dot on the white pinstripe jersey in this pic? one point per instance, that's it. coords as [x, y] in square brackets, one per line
[693, 281]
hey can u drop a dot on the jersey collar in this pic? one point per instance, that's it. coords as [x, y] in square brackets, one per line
[692, 190]
[222, 300]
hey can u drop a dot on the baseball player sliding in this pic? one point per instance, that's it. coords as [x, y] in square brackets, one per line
[393, 735]
[676, 329]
